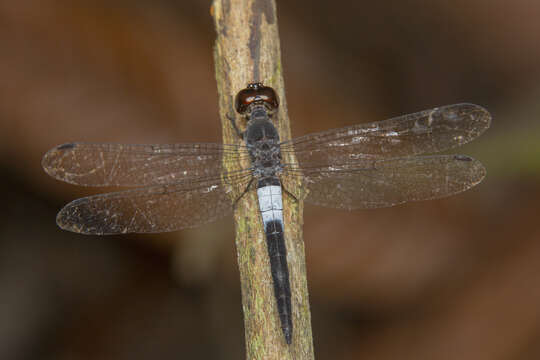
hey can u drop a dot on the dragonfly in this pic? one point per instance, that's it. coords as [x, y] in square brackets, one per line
[177, 186]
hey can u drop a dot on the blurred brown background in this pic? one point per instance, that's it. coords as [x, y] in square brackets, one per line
[456, 278]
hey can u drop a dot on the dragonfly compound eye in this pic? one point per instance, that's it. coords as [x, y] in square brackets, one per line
[256, 93]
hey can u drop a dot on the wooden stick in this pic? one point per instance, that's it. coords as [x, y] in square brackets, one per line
[247, 50]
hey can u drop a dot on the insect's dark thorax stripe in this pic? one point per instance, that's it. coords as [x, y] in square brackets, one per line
[271, 207]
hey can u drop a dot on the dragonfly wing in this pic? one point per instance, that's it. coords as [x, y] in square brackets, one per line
[138, 165]
[388, 182]
[152, 209]
[423, 132]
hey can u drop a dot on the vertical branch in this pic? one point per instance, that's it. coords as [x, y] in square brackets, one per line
[247, 50]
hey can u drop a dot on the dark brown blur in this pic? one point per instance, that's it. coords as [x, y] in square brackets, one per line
[457, 278]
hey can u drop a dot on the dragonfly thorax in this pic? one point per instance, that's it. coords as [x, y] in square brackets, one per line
[262, 140]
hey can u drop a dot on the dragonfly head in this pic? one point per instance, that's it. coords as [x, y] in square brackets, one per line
[255, 96]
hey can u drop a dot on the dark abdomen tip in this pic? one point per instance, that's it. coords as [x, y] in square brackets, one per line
[288, 335]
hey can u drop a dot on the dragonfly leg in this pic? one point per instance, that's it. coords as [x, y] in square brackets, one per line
[290, 194]
[296, 197]
[244, 193]
[233, 122]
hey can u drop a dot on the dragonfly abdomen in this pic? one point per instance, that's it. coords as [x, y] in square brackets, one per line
[271, 207]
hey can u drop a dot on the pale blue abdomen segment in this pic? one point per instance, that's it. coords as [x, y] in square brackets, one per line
[270, 204]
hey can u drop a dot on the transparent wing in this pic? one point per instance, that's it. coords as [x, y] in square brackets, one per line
[386, 182]
[138, 165]
[153, 209]
[423, 132]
